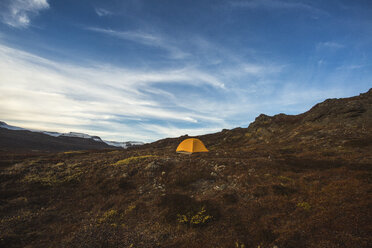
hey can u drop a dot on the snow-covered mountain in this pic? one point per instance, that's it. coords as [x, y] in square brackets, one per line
[123, 144]
[82, 135]
[76, 135]
[4, 125]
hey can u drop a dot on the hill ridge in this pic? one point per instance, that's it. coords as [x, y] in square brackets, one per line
[350, 115]
[283, 181]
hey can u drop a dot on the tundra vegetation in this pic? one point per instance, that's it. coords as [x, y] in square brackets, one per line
[285, 181]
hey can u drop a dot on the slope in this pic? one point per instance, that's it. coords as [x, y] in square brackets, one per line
[285, 181]
[22, 141]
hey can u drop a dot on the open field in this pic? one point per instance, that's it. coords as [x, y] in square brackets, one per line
[285, 181]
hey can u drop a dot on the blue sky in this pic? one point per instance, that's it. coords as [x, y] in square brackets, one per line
[145, 70]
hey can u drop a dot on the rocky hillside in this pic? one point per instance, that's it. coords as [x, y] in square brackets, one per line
[330, 124]
[285, 181]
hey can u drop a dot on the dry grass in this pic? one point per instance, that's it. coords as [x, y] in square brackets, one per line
[280, 183]
[134, 159]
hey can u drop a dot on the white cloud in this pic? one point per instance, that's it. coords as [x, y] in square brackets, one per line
[17, 13]
[52, 95]
[138, 36]
[274, 4]
[172, 131]
[103, 12]
[148, 39]
[119, 103]
[255, 70]
[329, 45]
[351, 67]
[125, 104]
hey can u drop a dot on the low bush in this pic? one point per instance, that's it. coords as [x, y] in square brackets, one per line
[195, 219]
[183, 209]
[304, 205]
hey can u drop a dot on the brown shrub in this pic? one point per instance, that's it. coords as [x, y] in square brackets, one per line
[177, 204]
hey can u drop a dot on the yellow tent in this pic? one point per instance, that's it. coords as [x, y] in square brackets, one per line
[192, 145]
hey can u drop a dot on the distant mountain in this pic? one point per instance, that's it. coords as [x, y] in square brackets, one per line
[81, 135]
[14, 138]
[4, 125]
[124, 144]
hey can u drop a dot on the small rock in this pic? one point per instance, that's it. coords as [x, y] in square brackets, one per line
[221, 187]
[152, 166]
[213, 174]
[140, 190]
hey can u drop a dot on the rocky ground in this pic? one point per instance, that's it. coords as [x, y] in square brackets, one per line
[285, 181]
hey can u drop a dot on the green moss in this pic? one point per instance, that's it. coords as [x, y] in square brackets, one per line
[108, 216]
[239, 245]
[114, 218]
[133, 159]
[51, 178]
[73, 166]
[74, 152]
[286, 179]
[19, 217]
[194, 219]
[248, 135]
[304, 205]
[236, 137]
[130, 209]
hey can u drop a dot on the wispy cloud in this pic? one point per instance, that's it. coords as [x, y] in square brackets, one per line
[172, 131]
[274, 4]
[121, 104]
[148, 39]
[329, 45]
[253, 70]
[137, 36]
[47, 93]
[103, 12]
[352, 67]
[18, 13]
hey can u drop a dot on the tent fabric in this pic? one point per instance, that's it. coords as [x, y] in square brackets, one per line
[191, 145]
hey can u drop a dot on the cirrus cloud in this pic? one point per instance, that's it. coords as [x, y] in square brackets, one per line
[18, 13]
[95, 98]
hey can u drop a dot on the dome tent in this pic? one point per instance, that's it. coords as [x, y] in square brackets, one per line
[190, 146]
